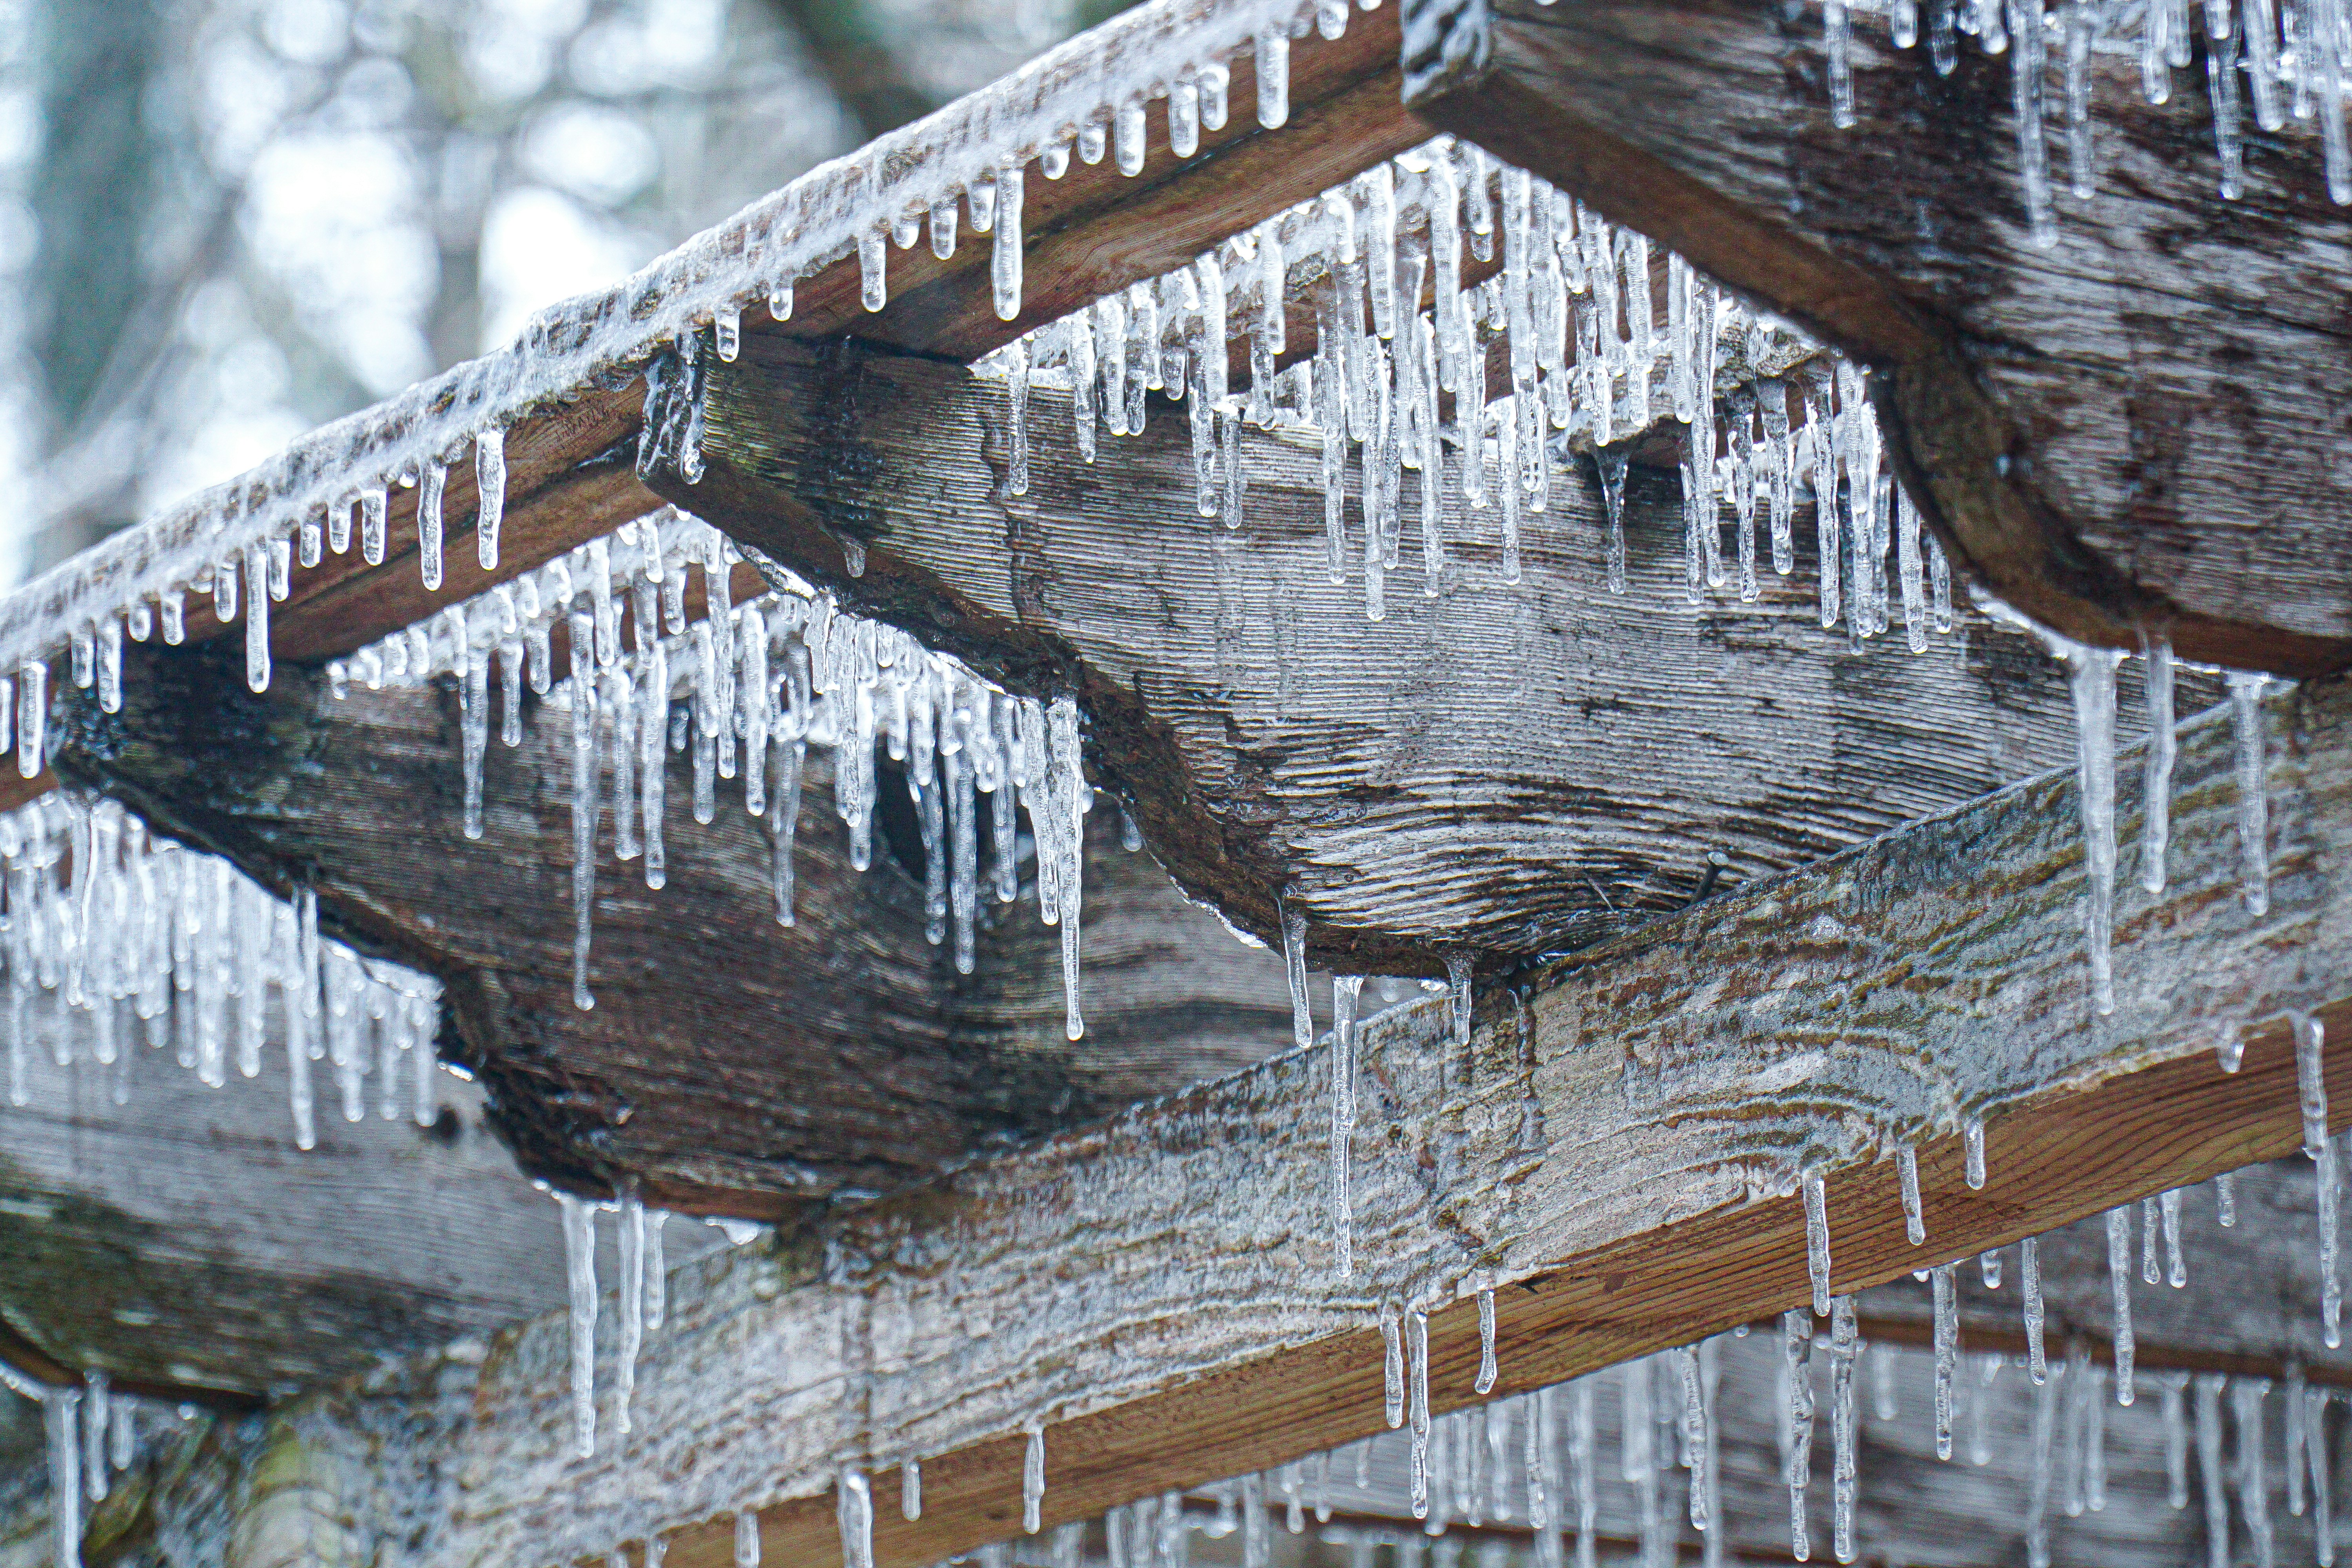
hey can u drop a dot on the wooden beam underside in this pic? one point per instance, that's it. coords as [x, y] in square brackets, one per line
[1508, 768]
[1617, 1166]
[2132, 430]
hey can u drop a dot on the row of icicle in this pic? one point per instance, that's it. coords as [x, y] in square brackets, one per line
[1591, 354]
[1459, 1465]
[746, 689]
[2296, 57]
[108, 916]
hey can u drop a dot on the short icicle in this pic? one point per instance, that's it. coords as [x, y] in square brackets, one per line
[2119, 1270]
[747, 1538]
[853, 1505]
[2037, 1363]
[910, 1489]
[1032, 1483]
[1845, 1425]
[2253, 801]
[1948, 1352]
[1972, 1145]
[1817, 1241]
[580, 1272]
[2090, 675]
[1906, 1165]
[2163, 747]
[1486, 1368]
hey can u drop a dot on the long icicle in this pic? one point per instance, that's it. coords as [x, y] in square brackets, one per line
[579, 1272]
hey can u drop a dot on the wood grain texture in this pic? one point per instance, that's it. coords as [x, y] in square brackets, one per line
[1617, 1155]
[1513, 769]
[2135, 430]
[730, 1064]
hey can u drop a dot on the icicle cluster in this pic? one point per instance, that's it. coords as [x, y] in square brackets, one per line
[748, 687]
[150, 940]
[1590, 356]
[2294, 58]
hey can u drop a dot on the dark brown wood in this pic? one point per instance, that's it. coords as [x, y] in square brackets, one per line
[1512, 768]
[730, 1064]
[2129, 433]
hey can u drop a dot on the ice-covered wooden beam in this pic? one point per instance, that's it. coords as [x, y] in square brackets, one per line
[181, 1242]
[1513, 767]
[2131, 430]
[730, 1063]
[1618, 1157]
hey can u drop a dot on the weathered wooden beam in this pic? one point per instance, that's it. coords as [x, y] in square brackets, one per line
[181, 1242]
[1516, 768]
[730, 1063]
[1616, 1155]
[2128, 432]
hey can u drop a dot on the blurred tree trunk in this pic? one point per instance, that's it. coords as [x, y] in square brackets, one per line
[93, 194]
[857, 62]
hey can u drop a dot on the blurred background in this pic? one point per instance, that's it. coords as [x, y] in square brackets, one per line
[223, 222]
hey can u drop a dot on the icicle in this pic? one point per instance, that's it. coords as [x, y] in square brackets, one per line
[257, 621]
[1817, 1241]
[1948, 1354]
[374, 505]
[2253, 1487]
[1345, 991]
[1797, 1350]
[1032, 1483]
[429, 495]
[1845, 1426]
[2155, 828]
[1016, 417]
[2119, 1284]
[2327, 1184]
[2253, 803]
[1004, 265]
[2209, 1461]
[1393, 1365]
[2225, 1199]
[747, 1538]
[1972, 1143]
[2315, 1451]
[632, 1294]
[1611, 464]
[2091, 676]
[490, 469]
[2026, 69]
[910, 1489]
[59, 1411]
[1184, 119]
[853, 1507]
[32, 717]
[1486, 1370]
[873, 269]
[1416, 1327]
[2293, 1392]
[1906, 1165]
[1273, 78]
[2176, 1266]
[93, 1435]
[2029, 1290]
[580, 1268]
[1989, 1268]
[583, 807]
[2040, 1469]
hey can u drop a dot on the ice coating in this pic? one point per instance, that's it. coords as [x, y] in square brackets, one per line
[157, 943]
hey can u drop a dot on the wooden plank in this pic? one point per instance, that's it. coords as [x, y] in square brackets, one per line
[2129, 431]
[1618, 1159]
[730, 1064]
[1511, 768]
[182, 1244]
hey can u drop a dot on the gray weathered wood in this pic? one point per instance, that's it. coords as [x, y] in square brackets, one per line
[2134, 430]
[182, 1241]
[1516, 769]
[1157, 1292]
